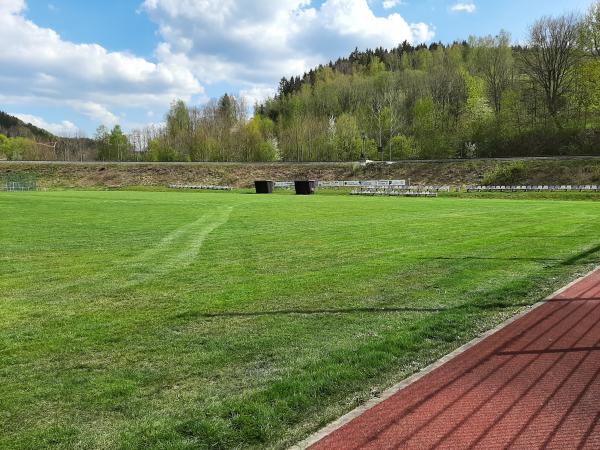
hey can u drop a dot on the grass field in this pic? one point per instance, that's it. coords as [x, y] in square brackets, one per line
[228, 320]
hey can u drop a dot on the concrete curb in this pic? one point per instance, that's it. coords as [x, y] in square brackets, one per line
[335, 425]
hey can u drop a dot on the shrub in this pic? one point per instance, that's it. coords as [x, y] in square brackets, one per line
[159, 150]
[18, 148]
[404, 147]
[3, 146]
[506, 173]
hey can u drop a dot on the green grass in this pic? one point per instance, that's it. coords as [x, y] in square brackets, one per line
[227, 320]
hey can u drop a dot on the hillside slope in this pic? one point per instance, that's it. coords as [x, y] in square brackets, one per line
[113, 175]
[12, 126]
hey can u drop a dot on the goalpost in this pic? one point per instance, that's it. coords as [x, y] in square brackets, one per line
[19, 182]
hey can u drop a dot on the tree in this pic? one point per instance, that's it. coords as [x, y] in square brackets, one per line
[585, 95]
[424, 126]
[403, 147]
[492, 59]
[3, 146]
[179, 131]
[119, 144]
[113, 146]
[102, 143]
[252, 139]
[551, 58]
[393, 99]
[589, 33]
[160, 150]
[448, 88]
[347, 138]
[18, 148]
[178, 120]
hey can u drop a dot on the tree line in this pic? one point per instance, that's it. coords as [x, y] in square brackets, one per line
[480, 98]
[53, 148]
[484, 97]
[26, 142]
[218, 131]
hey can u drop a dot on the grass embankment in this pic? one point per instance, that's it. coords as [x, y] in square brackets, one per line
[224, 320]
[108, 176]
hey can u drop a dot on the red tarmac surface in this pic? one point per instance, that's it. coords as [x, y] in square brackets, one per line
[533, 384]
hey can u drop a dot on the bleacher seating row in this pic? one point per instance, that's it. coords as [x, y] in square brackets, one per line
[200, 187]
[419, 188]
[557, 188]
[348, 183]
[378, 192]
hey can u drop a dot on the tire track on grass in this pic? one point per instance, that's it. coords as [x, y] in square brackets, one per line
[186, 240]
[175, 251]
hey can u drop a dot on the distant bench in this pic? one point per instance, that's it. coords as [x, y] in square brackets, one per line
[535, 188]
[200, 187]
[393, 192]
[346, 183]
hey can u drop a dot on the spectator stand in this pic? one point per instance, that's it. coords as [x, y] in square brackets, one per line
[200, 187]
[535, 188]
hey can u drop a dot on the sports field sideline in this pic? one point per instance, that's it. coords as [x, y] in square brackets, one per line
[227, 320]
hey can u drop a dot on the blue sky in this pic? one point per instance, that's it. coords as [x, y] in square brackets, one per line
[76, 64]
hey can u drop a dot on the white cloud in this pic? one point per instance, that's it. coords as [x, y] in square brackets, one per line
[248, 45]
[42, 68]
[389, 4]
[64, 128]
[257, 94]
[96, 112]
[225, 40]
[464, 7]
[12, 6]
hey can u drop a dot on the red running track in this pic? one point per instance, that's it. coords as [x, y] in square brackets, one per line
[533, 384]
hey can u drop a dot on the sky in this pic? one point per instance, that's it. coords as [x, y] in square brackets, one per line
[71, 65]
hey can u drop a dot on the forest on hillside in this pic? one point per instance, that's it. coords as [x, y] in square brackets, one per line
[484, 97]
[25, 141]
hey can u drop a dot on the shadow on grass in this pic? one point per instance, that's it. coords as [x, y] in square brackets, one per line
[580, 256]
[573, 260]
[490, 306]
[493, 258]
[301, 312]
[334, 311]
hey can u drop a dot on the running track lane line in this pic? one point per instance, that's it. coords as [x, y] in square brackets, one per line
[533, 382]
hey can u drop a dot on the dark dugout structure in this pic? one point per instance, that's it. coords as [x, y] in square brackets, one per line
[264, 186]
[305, 187]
